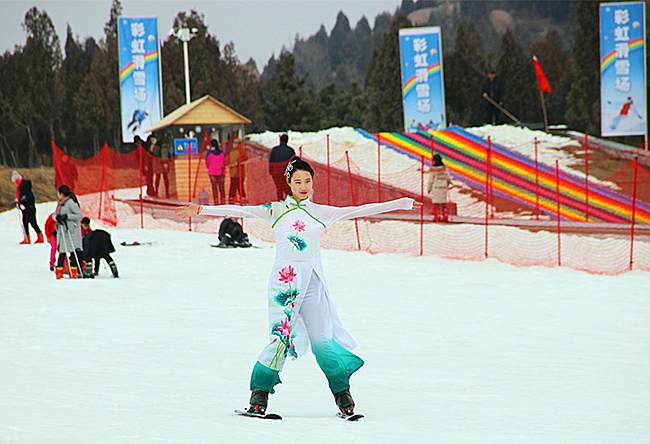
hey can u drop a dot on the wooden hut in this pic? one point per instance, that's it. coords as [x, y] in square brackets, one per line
[203, 116]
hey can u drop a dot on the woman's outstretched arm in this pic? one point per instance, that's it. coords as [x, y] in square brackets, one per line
[334, 214]
[191, 209]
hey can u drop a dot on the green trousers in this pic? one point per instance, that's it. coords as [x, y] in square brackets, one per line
[337, 363]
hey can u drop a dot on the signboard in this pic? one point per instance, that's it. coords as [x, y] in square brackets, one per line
[183, 146]
[423, 91]
[140, 85]
[623, 83]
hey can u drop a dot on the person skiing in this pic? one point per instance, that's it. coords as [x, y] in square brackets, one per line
[97, 245]
[27, 205]
[301, 311]
[626, 107]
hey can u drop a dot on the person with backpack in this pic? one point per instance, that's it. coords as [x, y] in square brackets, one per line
[301, 311]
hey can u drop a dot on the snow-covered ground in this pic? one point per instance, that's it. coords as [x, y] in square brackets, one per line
[455, 351]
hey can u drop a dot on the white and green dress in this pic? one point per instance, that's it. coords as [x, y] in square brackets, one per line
[301, 311]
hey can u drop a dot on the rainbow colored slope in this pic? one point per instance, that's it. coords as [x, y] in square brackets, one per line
[514, 176]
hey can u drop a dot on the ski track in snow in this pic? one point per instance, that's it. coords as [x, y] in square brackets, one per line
[455, 351]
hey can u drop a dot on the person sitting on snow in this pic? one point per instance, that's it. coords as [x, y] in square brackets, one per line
[97, 245]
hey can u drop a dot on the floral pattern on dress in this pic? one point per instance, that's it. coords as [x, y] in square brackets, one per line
[299, 243]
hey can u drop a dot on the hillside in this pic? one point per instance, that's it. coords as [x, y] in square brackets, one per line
[343, 56]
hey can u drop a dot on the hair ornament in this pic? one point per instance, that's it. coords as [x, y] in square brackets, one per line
[287, 172]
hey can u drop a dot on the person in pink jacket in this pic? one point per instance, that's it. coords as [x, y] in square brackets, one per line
[216, 163]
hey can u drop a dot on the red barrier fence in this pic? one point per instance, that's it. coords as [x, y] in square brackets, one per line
[120, 189]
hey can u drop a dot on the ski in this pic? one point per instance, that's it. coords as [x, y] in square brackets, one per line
[135, 244]
[352, 418]
[257, 415]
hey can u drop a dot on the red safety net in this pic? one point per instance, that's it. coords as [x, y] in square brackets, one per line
[139, 190]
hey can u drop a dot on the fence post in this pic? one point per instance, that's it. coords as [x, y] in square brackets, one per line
[422, 208]
[328, 170]
[378, 167]
[487, 194]
[189, 181]
[356, 224]
[636, 166]
[241, 178]
[586, 178]
[103, 183]
[536, 183]
[491, 188]
[557, 195]
[141, 203]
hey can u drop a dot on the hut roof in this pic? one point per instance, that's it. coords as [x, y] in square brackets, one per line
[204, 111]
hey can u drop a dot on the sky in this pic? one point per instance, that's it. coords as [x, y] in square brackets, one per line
[258, 28]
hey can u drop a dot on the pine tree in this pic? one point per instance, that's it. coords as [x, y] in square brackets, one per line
[43, 57]
[583, 110]
[384, 83]
[286, 103]
[517, 74]
[464, 75]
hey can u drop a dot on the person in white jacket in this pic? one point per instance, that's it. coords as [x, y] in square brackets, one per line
[301, 311]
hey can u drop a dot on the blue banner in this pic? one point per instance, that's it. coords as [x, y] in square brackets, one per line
[423, 91]
[184, 146]
[140, 85]
[622, 69]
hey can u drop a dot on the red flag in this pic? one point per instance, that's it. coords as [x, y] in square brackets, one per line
[541, 77]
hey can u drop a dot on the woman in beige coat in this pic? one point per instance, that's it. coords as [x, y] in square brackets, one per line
[439, 181]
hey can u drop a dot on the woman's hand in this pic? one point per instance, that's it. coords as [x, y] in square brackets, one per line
[188, 210]
[417, 205]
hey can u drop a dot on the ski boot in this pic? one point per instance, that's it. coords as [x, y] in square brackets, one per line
[344, 402]
[26, 241]
[113, 269]
[87, 271]
[258, 402]
[39, 238]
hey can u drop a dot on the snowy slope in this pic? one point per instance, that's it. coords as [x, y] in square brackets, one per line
[456, 352]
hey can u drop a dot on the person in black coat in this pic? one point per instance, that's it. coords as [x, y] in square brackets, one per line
[280, 157]
[27, 204]
[97, 245]
[493, 89]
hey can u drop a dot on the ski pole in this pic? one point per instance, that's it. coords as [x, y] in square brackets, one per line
[79, 265]
[20, 218]
[502, 109]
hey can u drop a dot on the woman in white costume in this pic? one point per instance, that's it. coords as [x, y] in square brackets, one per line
[301, 311]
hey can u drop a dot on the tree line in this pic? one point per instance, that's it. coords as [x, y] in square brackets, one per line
[348, 78]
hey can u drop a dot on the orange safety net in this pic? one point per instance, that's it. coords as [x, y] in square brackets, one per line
[130, 190]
